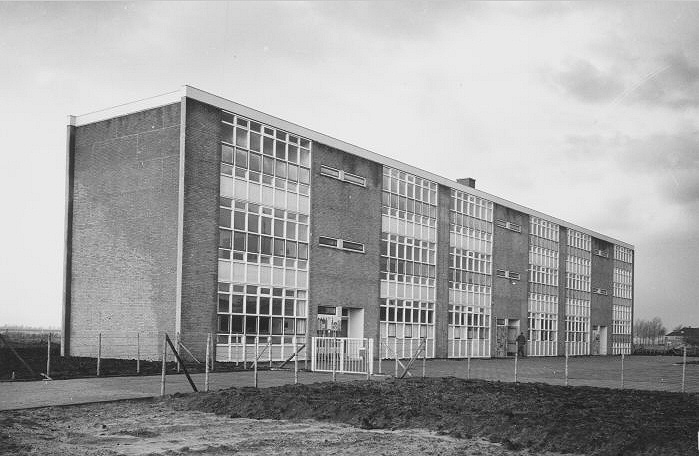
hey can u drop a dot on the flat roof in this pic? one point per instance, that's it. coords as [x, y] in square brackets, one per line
[228, 105]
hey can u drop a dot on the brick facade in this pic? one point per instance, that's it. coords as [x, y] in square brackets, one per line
[123, 232]
[345, 211]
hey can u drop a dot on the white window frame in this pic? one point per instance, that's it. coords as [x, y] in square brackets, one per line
[517, 228]
[334, 173]
[340, 244]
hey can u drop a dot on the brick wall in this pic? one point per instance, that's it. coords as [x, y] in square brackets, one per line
[124, 232]
[441, 305]
[510, 252]
[200, 229]
[602, 276]
[345, 211]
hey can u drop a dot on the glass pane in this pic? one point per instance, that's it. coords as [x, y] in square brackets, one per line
[253, 243]
[237, 303]
[268, 166]
[227, 154]
[304, 175]
[225, 218]
[266, 245]
[241, 137]
[267, 146]
[255, 141]
[224, 239]
[255, 162]
[280, 150]
[237, 324]
[223, 303]
[227, 133]
[280, 169]
[223, 323]
[239, 241]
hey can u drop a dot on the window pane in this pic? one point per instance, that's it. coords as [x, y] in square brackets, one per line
[279, 249]
[268, 165]
[251, 304]
[255, 162]
[293, 172]
[266, 245]
[227, 154]
[253, 241]
[304, 175]
[291, 249]
[237, 303]
[227, 133]
[253, 222]
[224, 324]
[280, 168]
[239, 241]
[224, 239]
[276, 306]
[225, 218]
[251, 325]
[267, 146]
[264, 305]
[241, 137]
[327, 241]
[293, 152]
[241, 158]
[254, 141]
[237, 324]
[305, 157]
[281, 150]
[303, 251]
[223, 303]
[266, 225]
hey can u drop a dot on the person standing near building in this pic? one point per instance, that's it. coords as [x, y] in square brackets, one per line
[521, 343]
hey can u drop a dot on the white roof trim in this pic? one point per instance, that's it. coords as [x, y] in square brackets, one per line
[127, 108]
[215, 100]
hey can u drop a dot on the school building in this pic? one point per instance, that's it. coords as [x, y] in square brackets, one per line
[190, 214]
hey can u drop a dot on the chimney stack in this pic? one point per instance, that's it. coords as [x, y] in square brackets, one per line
[467, 181]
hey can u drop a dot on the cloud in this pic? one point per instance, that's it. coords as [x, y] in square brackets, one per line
[582, 80]
[675, 85]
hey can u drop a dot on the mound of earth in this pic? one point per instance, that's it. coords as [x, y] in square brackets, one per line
[535, 416]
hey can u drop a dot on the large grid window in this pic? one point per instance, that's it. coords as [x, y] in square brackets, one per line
[579, 240]
[577, 326]
[466, 266]
[543, 324]
[263, 251]
[621, 319]
[408, 259]
[409, 197]
[252, 229]
[406, 319]
[623, 283]
[543, 276]
[467, 322]
[247, 311]
[543, 229]
[623, 254]
[544, 257]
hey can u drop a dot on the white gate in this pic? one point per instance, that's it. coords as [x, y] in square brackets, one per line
[342, 355]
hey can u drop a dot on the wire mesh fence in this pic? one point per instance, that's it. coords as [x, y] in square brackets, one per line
[111, 353]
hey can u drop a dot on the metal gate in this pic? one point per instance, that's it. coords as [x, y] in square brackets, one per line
[343, 355]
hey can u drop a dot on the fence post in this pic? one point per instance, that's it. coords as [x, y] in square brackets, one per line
[257, 344]
[379, 343]
[622, 371]
[245, 351]
[212, 353]
[296, 362]
[566, 369]
[138, 352]
[468, 359]
[516, 358]
[395, 352]
[48, 361]
[162, 372]
[424, 356]
[99, 352]
[177, 344]
[684, 366]
[369, 356]
[206, 363]
[269, 349]
[334, 355]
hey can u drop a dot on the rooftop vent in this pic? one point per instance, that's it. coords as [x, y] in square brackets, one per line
[467, 181]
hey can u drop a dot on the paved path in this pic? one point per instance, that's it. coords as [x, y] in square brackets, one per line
[640, 372]
[18, 395]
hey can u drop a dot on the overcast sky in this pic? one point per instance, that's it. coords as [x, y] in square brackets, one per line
[585, 111]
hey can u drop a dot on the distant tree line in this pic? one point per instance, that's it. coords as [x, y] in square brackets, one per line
[649, 332]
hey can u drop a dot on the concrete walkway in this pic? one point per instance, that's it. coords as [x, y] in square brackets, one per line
[19, 395]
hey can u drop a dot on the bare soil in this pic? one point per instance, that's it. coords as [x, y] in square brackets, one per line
[418, 416]
[156, 428]
[539, 417]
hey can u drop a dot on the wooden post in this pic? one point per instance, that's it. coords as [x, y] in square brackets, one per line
[245, 350]
[257, 340]
[138, 352]
[334, 355]
[212, 353]
[269, 349]
[99, 352]
[162, 372]
[296, 362]
[468, 359]
[516, 358]
[566, 369]
[177, 346]
[379, 344]
[206, 363]
[395, 352]
[424, 356]
[622, 371]
[684, 366]
[48, 359]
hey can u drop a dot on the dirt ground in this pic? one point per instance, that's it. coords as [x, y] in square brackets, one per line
[156, 428]
[418, 416]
